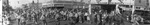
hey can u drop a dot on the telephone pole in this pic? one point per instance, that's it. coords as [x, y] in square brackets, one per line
[89, 6]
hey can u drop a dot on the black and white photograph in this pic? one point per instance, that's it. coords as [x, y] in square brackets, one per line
[74, 12]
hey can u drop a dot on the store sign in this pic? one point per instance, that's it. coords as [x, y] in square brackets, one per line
[128, 2]
[104, 1]
[118, 1]
[115, 1]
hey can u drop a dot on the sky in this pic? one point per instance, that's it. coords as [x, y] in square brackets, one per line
[18, 3]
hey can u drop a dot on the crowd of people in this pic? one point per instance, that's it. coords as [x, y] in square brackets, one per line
[74, 15]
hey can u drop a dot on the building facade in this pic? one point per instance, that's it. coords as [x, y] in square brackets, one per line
[141, 3]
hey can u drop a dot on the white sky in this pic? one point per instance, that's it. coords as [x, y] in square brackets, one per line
[14, 3]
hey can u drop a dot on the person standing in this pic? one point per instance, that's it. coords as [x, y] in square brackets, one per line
[136, 19]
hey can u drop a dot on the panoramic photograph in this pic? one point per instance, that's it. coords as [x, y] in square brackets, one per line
[75, 12]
